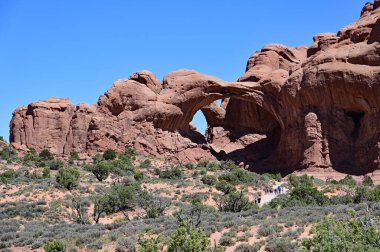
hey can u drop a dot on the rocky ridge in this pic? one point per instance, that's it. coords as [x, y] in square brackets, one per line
[315, 107]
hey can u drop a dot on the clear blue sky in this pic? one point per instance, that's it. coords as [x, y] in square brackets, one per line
[78, 48]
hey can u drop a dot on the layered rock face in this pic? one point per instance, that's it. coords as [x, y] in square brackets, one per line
[315, 107]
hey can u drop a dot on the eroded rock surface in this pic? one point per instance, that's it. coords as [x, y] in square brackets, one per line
[315, 107]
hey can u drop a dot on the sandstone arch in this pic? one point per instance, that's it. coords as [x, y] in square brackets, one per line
[315, 107]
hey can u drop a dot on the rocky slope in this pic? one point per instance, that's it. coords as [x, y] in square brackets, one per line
[294, 108]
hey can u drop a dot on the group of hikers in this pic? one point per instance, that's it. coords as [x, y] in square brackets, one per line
[276, 190]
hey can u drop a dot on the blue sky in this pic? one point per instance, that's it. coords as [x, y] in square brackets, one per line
[77, 49]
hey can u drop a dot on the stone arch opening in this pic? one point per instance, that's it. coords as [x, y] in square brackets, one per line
[257, 131]
[356, 117]
[200, 122]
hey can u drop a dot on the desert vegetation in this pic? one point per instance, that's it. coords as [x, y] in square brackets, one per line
[126, 202]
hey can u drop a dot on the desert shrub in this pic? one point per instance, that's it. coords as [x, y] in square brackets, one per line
[139, 176]
[365, 194]
[119, 198]
[95, 245]
[68, 178]
[55, 246]
[190, 166]
[80, 207]
[173, 173]
[367, 181]
[31, 156]
[301, 181]
[101, 170]
[74, 156]
[331, 234]
[149, 242]
[246, 247]
[188, 239]
[301, 196]
[348, 180]
[374, 194]
[226, 240]
[152, 204]
[97, 158]
[56, 164]
[267, 230]
[145, 164]
[309, 196]
[8, 175]
[121, 166]
[46, 155]
[125, 245]
[362, 194]
[8, 154]
[344, 199]
[241, 176]
[129, 154]
[109, 154]
[279, 244]
[274, 176]
[209, 180]
[234, 202]
[225, 187]
[228, 165]
[46, 172]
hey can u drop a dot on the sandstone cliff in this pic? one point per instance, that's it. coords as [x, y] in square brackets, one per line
[294, 108]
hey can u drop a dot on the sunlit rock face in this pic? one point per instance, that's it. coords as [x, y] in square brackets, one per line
[315, 107]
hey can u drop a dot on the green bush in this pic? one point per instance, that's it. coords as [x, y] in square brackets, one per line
[139, 176]
[330, 235]
[246, 247]
[56, 164]
[55, 246]
[267, 230]
[8, 154]
[188, 239]
[301, 181]
[152, 204]
[374, 194]
[367, 181]
[301, 196]
[46, 172]
[68, 178]
[190, 166]
[149, 242]
[128, 155]
[280, 244]
[97, 158]
[173, 173]
[225, 187]
[101, 170]
[226, 240]
[348, 180]
[109, 154]
[228, 165]
[45, 155]
[209, 180]
[74, 156]
[275, 176]
[8, 175]
[235, 202]
[241, 176]
[31, 156]
[120, 198]
[145, 164]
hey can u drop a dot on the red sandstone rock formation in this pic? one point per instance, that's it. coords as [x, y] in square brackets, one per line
[294, 108]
